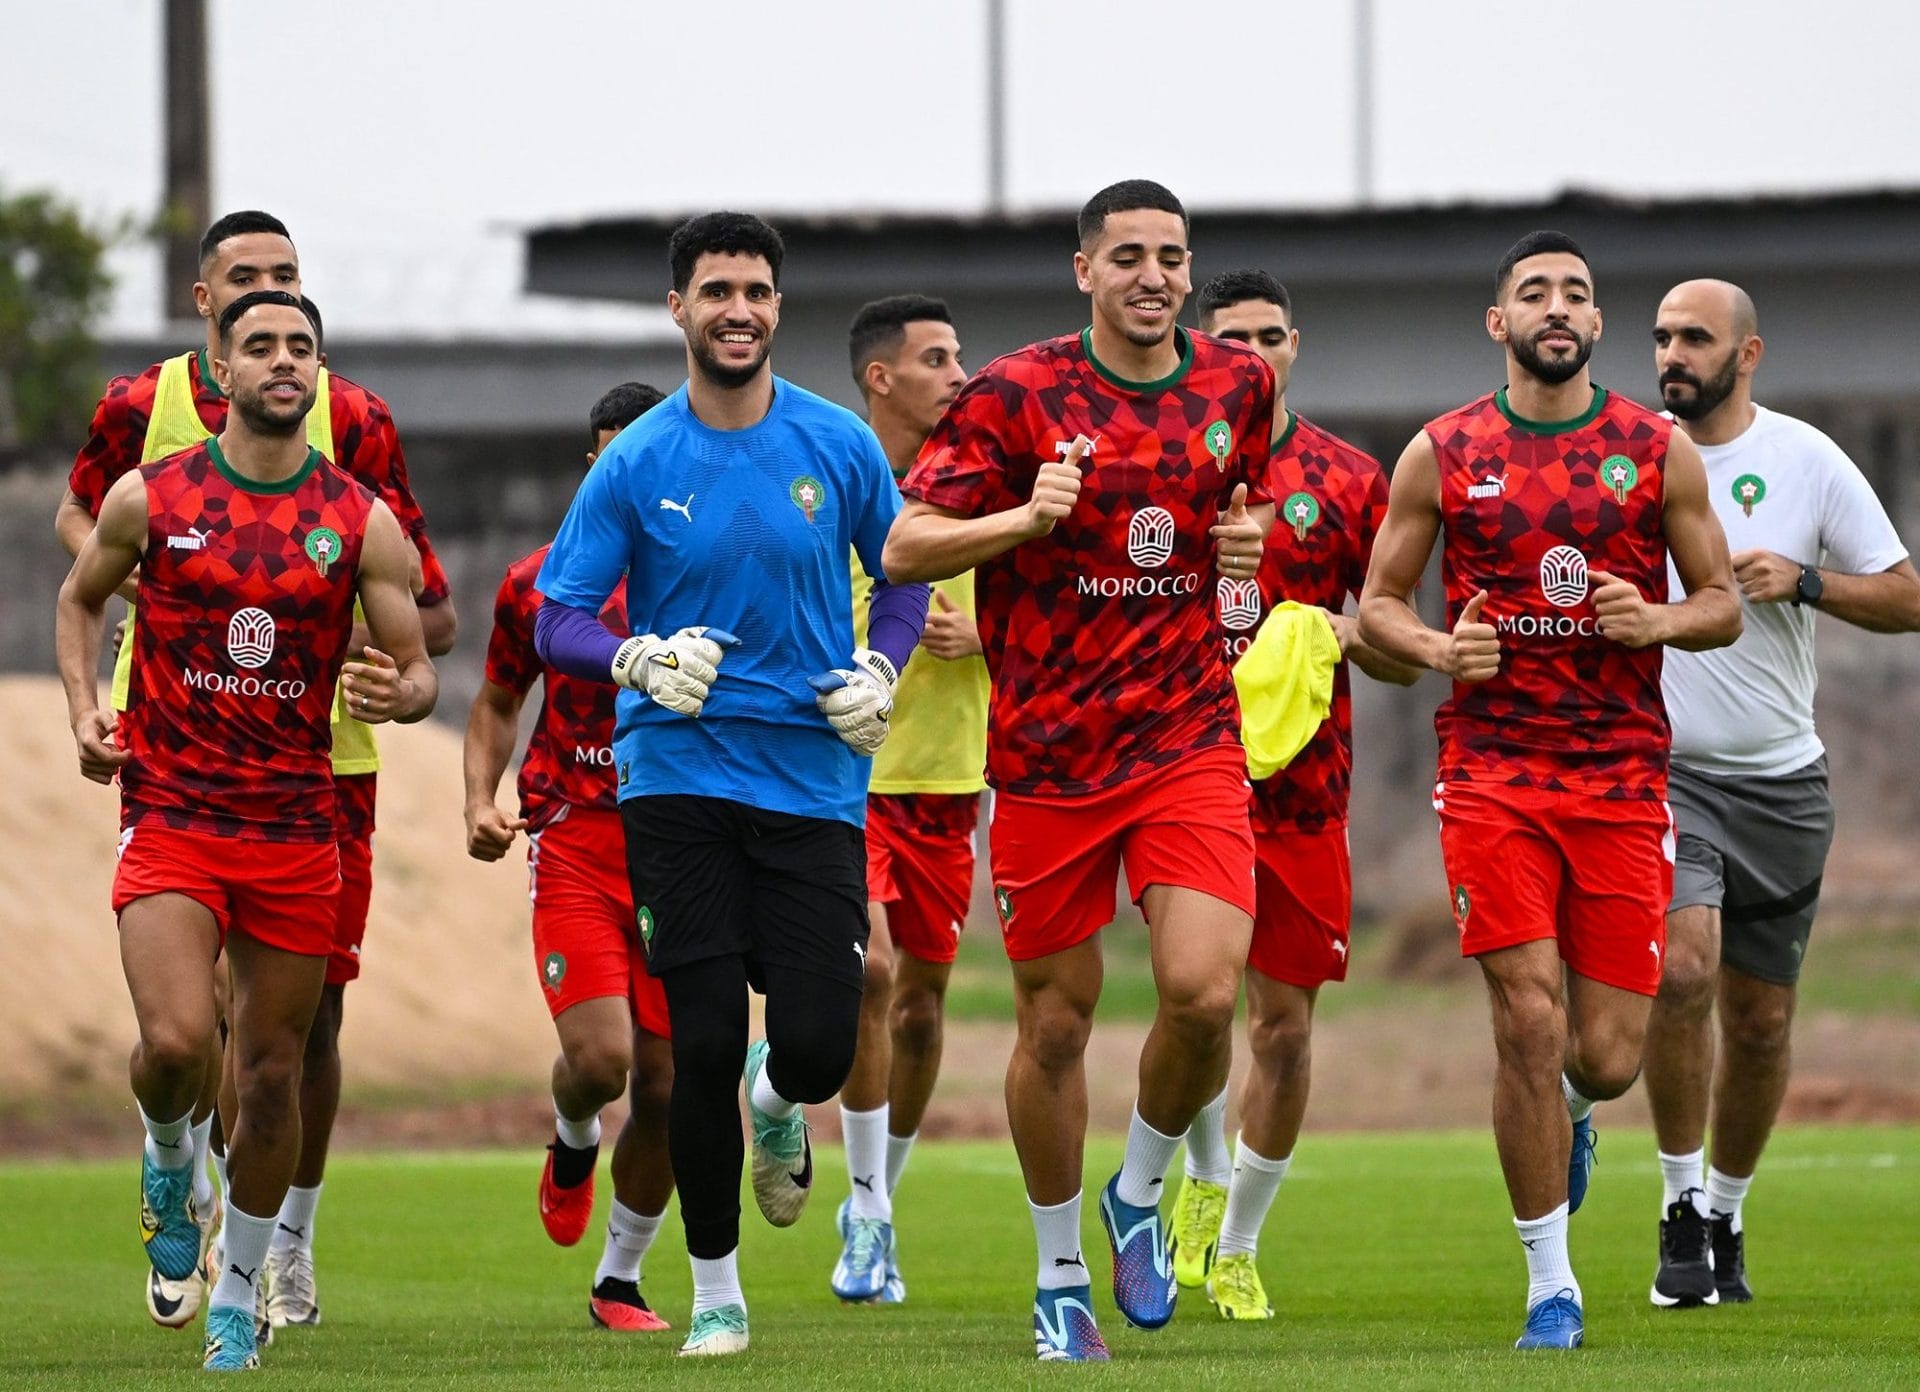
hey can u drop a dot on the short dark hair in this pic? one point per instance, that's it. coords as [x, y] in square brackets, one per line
[621, 406]
[1534, 244]
[879, 326]
[1233, 287]
[1124, 197]
[253, 299]
[312, 311]
[239, 225]
[726, 233]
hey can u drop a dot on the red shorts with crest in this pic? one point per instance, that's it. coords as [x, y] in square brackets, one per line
[586, 943]
[920, 865]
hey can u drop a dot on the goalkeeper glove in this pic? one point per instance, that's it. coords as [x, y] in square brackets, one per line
[674, 672]
[858, 700]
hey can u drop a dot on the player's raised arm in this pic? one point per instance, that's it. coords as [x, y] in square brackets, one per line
[1388, 622]
[108, 555]
[394, 679]
[930, 542]
[1709, 617]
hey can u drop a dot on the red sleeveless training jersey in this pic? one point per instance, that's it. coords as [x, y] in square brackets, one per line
[1529, 510]
[246, 604]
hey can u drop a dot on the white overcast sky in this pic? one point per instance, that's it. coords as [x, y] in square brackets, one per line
[407, 142]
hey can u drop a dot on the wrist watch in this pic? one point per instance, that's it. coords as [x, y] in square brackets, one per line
[1810, 587]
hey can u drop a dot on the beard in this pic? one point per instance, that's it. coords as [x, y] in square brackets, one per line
[263, 417]
[1705, 398]
[1552, 371]
[725, 374]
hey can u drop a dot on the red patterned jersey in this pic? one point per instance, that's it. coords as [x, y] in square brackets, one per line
[1330, 499]
[1102, 636]
[570, 756]
[364, 439]
[246, 604]
[1530, 509]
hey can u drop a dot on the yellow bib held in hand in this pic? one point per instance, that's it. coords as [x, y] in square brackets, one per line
[1285, 681]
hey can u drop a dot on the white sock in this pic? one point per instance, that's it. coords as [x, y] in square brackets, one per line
[1682, 1175]
[294, 1227]
[770, 1103]
[865, 1136]
[1725, 1195]
[1578, 1108]
[717, 1282]
[629, 1234]
[1207, 1143]
[1056, 1230]
[576, 1135]
[898, 1149]
[169, 1145]
[247, 1239]
[219, 1158]
[1548, 1270]
[1145, 1166]
[202, 1144]
[1256, 1179]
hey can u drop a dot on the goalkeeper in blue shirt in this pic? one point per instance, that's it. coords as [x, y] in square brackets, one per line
[746, 725]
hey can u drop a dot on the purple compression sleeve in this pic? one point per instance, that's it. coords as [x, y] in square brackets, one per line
[575, 641]
[896, 615]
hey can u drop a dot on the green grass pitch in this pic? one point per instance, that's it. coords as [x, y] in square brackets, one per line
[1391, 1260]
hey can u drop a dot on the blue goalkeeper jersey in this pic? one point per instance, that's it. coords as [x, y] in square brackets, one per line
[748, 531]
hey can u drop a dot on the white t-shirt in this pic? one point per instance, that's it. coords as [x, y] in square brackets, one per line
[1784, 487]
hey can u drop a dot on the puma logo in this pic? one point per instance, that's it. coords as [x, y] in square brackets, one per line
[866, 1184]
[246, 1276]
[298, 1233]
[1154, 1182]
[684, 509]
[1527, 1242]
[1073, 1260]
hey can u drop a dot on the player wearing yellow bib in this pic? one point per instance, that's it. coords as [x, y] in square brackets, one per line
[922, 804]
[174, 406]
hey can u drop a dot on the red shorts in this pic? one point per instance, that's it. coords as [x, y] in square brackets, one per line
[1304, 883]
[279, 893]
[586, 945]
[350, 919]
[1055, 859]
[920, 865]
[1596, 874]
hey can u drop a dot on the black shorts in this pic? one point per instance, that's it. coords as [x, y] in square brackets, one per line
[716, 878]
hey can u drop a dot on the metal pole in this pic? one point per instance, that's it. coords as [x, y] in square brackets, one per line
[996, 107]
[1363, 102]
[189, 164]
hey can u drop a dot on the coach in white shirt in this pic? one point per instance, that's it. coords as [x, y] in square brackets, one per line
[1749, 775]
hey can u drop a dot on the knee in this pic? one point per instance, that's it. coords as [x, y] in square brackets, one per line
[173, 1047]
[1054, 1033]
[323, 1035]
[1760, 1027]
[1530, 1029]
[1688, 975]
[1200, 1011]
[600, 1067]
[916, 1021]
[266, 1079]
[1601, 1074]
[878, 988]
[652, 1088]
[1281, 1044]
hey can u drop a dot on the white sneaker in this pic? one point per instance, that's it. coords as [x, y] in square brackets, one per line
[291, 1298]
[716, 1332]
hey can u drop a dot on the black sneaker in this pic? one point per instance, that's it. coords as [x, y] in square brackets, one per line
[1730, 1261]
[1685, 1277]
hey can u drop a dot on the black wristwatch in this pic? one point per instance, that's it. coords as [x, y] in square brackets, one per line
[1810, 587]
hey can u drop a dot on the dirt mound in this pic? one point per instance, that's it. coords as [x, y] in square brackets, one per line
[447, 995]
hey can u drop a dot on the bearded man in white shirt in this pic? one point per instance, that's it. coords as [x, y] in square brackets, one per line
[1748, 785]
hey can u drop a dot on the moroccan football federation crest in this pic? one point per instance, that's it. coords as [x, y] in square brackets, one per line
[807, 494]
[1301, 511]
[1220, 443]
[1618, 474]
[323, 548]
[1003, 901]
[1748, 490]
[1462, 905]
[643, 920]
[553, 971]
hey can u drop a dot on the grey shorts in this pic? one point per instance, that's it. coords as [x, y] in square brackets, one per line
[1755, 849]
